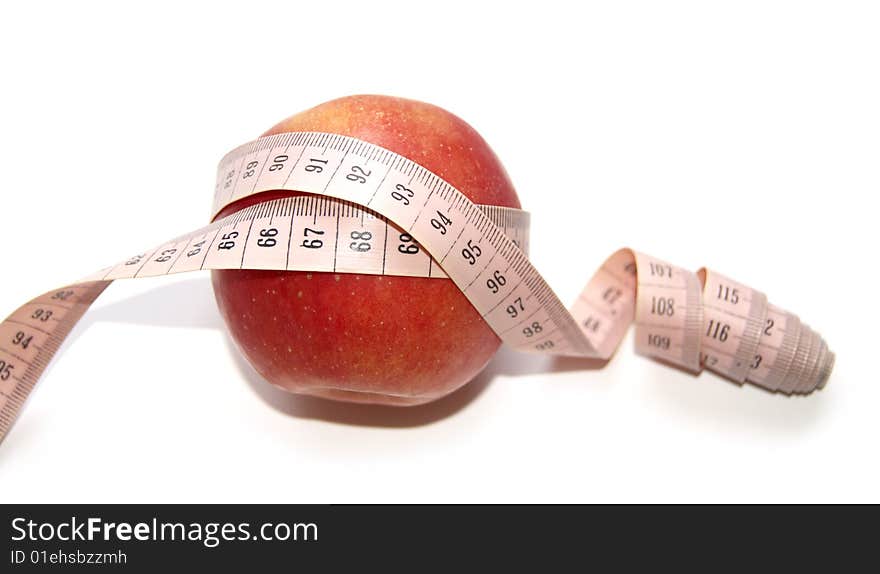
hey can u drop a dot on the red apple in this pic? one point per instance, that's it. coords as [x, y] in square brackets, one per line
[366, 338]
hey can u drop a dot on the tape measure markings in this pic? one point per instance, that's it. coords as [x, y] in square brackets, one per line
[15, 394]
[368, 196]
[543, 293]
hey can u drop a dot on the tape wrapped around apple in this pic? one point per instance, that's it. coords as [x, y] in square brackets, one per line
[367, 338]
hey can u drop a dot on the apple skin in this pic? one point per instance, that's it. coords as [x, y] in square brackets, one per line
[366, 338]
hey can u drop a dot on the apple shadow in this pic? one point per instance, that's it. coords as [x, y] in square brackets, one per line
[190, 303]
[505, 363]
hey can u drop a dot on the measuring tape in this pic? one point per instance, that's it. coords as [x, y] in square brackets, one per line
[376, 212]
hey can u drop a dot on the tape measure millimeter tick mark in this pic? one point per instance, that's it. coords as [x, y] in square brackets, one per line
[390, 216]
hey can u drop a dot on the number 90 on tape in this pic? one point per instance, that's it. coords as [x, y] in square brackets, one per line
[391, 216]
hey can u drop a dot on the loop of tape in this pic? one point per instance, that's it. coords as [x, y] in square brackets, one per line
[375, 212]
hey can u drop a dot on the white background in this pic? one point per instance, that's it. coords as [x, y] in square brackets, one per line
[744, 136]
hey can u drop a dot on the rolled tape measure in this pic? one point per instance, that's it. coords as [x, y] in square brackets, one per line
[375, 212]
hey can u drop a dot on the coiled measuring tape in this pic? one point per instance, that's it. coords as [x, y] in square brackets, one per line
[376, 212]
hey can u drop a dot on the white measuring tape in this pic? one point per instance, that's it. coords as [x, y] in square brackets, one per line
[376, 212]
